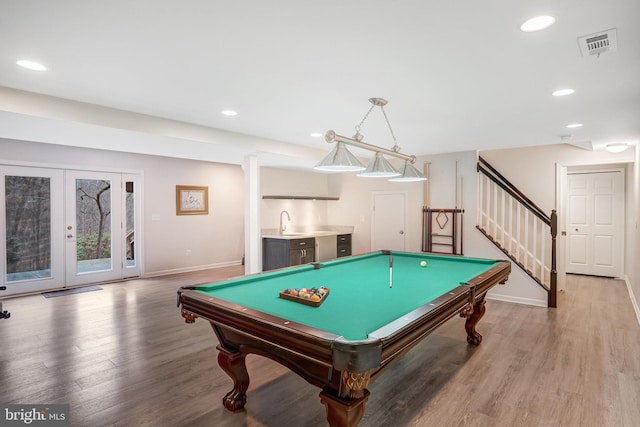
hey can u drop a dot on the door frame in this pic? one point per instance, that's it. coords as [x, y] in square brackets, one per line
[562, 169]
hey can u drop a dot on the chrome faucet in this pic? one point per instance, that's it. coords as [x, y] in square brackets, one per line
[283, 227]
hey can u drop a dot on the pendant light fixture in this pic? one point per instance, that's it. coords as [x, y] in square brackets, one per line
[379, 167]
[409, 173]
[341, 159]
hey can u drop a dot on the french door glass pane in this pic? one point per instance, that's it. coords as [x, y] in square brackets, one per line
[93, 225]
[130, 223]
[28, 225]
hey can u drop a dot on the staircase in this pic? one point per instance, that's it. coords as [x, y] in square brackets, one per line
[516, 225]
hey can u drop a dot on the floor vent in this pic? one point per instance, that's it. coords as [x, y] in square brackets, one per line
[595, 44]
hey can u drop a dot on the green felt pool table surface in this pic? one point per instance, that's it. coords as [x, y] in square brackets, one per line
[360, 300]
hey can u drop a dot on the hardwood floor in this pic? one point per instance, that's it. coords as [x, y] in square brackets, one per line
[123, 356]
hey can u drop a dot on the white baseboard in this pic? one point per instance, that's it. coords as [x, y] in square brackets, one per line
[634, 301]
[190, 269]
[517, 300]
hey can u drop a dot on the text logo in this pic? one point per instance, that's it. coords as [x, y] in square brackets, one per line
[34, 415]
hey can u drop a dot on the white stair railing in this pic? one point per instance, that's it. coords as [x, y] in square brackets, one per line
[518, 227]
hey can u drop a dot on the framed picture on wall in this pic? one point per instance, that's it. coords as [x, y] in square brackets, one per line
[192, 200]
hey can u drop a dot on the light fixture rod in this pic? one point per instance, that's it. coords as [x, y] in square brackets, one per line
[331, 136]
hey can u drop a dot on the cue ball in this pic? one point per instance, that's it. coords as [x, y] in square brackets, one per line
[423, 264]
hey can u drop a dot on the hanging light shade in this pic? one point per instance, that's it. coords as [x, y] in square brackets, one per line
[409, 173]
[340, 159]
[379, 167]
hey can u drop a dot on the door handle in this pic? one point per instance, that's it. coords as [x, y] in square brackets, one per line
[69, 236]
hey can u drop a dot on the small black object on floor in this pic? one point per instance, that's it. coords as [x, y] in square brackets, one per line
[71, 291]
[4, 314]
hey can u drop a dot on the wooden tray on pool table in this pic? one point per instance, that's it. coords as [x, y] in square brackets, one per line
[305, 301]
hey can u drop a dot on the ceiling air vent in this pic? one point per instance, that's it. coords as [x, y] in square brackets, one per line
[595, 44]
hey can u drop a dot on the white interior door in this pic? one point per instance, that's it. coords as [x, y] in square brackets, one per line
[31, 220]
[388, 221]
[94, 232]
[595, 221]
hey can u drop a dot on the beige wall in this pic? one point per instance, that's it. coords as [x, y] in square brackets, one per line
[165, 240]
[533, 169]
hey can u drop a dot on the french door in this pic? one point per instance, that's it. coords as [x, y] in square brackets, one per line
[68, 228]
[32, 211]
[99, 225]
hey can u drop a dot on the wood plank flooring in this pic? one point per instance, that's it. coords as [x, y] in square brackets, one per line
[123, 356]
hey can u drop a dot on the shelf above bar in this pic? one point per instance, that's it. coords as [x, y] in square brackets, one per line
[301, 197]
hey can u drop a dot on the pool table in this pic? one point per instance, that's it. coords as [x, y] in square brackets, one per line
[379, 306]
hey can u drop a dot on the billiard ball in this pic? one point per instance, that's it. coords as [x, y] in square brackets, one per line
[423, 263]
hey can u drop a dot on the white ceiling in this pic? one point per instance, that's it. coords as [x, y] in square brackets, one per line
[458, 75]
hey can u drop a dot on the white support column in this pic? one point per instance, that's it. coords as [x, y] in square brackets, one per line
[252, 224]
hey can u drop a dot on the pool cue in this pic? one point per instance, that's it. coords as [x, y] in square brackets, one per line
[461, 215]
[390, 270]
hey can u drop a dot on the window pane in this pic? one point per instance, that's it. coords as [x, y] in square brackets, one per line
[130, 224]
[28, 222]
[93, 225]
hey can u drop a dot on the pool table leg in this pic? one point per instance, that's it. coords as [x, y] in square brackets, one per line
[233, 363]
[473, 337]
[341, 412]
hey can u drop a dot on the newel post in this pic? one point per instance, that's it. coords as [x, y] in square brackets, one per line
[553, 288]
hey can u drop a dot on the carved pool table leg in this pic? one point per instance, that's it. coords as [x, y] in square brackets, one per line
[473, 337]
[233, 363]
[343, 413]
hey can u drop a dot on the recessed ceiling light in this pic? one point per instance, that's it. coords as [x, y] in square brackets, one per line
[574, 125]
[316, 134]
[616, 148]
[538, 23]
[229, 113]
[31, 65]
[563, 92]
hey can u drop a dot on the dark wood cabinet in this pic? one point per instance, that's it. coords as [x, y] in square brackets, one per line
[343, 243]
[279, 253]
